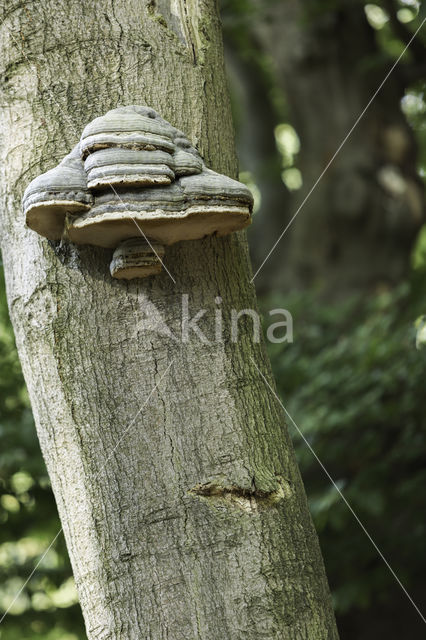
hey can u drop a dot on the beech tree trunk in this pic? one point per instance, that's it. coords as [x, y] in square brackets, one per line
[356, 231]
[180, 499]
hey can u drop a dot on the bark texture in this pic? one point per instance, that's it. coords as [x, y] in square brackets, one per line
[356, 231]
[181, 503]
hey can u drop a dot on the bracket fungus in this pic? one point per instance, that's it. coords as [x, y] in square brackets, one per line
[62, 190]
[134, 183]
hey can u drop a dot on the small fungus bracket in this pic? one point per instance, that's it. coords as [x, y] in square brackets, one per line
[134, 183]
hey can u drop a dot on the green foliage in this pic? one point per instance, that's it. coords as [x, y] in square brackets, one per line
[47, 607]
[354, 383]
[414, 107]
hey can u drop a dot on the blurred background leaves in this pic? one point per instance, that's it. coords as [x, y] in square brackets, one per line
[352, 271]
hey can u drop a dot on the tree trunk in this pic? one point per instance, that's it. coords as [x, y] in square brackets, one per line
[176, 484]
[356, 230]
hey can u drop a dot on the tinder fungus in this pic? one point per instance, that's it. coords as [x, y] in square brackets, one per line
[134, 183]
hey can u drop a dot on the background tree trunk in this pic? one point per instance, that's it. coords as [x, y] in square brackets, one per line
[357, 230]
[129, 419]
[258, 154]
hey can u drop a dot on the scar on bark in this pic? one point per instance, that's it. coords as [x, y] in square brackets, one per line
[248, 500]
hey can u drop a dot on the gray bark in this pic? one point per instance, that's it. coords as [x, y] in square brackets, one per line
[176, 484]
